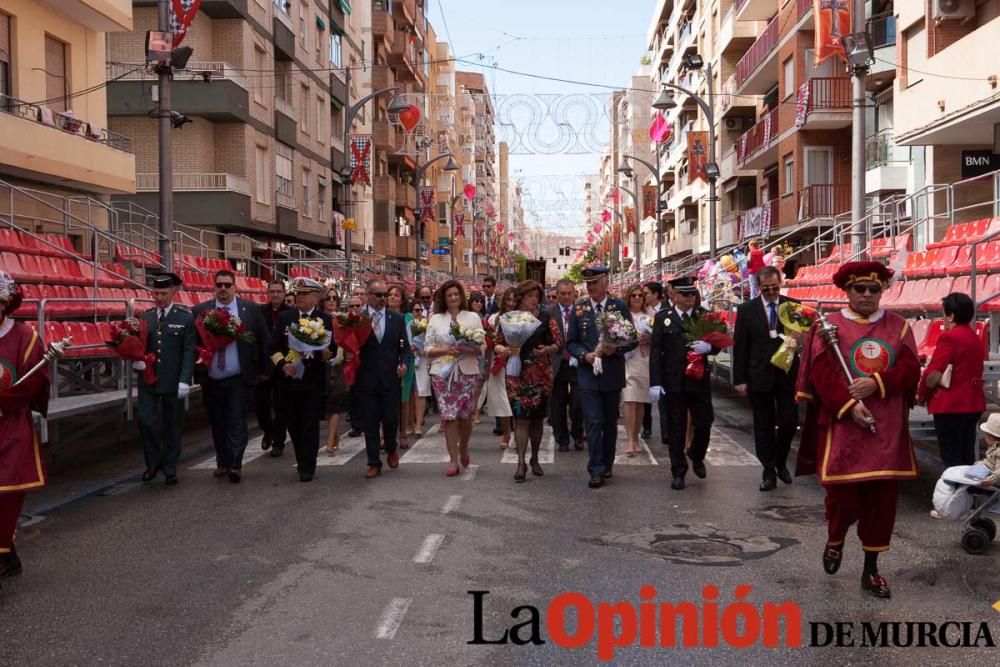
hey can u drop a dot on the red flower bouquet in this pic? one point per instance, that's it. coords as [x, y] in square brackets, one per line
[217, 328]
[710, 328]
[128, 340]
[350, 333]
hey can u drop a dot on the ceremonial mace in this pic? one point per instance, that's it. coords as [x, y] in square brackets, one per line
[55, 351]
[828, 331]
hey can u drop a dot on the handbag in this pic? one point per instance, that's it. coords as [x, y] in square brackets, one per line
[945, 380]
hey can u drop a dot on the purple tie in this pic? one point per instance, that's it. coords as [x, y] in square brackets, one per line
[221, 359]
[565, 354]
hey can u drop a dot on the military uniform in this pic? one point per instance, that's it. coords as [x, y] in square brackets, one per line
[172, 339]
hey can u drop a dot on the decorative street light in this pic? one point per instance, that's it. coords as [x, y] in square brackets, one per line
[418, 175]
[627, 172]
[454, 246]
[654, 169]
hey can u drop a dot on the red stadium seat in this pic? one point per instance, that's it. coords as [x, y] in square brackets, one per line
[54, 331]
[986, 287]
[926, 349]
[920, 328]
[10, 241]
[943, 258]
[962, 263]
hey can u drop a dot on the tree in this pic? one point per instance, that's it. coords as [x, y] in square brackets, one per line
[575, 272]
[522, 271]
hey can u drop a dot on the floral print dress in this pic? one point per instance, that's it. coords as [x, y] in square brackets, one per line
[529, 392]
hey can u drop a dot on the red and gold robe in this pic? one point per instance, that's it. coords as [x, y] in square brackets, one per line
[21, 467]
[833, 446]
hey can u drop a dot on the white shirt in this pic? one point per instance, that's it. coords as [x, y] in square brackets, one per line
[682, 313]
[855, 317]
[163, 312]
[602, 304]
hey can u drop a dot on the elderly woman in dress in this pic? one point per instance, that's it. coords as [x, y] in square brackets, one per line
[529, 392]
[636, 393]
[454, 370]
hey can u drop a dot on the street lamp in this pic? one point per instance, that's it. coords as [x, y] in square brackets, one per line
[666, 101]
[655, 169]
[451, 209]
[418, 175]
[628, 173]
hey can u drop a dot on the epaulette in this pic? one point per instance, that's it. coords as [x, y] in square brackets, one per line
[182, 308]
[148, 310]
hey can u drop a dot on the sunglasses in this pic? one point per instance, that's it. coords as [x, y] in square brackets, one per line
[354, 306]
[377, 295]
[870, 289]
[637, 296]
[771, 289]
[223, 285]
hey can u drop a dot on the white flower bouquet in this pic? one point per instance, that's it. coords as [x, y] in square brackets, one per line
[305, 338]
[643, 325]
[616, 331]
[517, 327]
[418, 332]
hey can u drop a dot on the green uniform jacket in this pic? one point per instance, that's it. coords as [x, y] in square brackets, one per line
[173, 346]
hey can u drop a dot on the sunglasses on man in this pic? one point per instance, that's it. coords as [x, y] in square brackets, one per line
[224, 285]
[870, 289]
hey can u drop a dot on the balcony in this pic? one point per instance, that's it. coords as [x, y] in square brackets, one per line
[404, 11]
[384, 188]
[216, 182]
[822, 201]
[97, 15]
[824, 103]
[403, 58]
[382, 25]
[735, 35]
[213, 90]
[758, 221]
[755, 10]
[36, 142]
[758, 146]
[757, 71]
[382, 78]
[406, 196]
[729, 228]
[384, 136]
[282, 15]
[217, 200]
[886, 164]
[729, 168]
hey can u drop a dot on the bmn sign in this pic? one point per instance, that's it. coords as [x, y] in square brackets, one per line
[977, 163]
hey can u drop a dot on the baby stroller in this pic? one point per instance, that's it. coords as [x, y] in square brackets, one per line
[955, 494]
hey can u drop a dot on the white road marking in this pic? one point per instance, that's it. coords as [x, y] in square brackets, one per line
[451, 504]
[723, 451]
[251, 453]
[428, 449]
[644, 457]
[470, 473]
[427, 550]
[392, 617]
[546, 454]
[349, 448]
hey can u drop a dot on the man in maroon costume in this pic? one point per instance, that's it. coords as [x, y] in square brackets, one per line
[858, 468]
[21, 468]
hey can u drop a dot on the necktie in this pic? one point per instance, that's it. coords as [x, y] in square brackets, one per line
[377, 324]
[565, 313]
[600, 308]
[687, 317]
[772, 317]
[159, 320]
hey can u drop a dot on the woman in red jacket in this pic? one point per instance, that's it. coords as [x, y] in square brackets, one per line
[957, 407]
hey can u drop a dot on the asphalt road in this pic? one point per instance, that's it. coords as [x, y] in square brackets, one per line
[347, 571]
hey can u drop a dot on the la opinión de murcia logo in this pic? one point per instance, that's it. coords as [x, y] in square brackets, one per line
[707, 624]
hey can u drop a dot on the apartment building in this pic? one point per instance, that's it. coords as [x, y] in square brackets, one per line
[551, 247]
[484, 142]
[947, 105]
[56, 138]
[255, 158]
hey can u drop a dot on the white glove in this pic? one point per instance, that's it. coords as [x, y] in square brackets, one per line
[183, 389]
[139, 366]
[598, 366]
[573, 362]
[700, 347]
[655, 393]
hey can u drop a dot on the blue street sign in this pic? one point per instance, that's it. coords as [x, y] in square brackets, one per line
[439, 251]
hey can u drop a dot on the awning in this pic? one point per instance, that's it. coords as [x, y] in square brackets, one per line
[345, 5]
[320, 23]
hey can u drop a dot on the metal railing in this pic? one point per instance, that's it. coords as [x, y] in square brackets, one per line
[824, 200]
[881, 150]
[66, 122]
[206, 71]
[281, 13]
[759, 137]
[150, 182]
[758, 52]
[828, 93]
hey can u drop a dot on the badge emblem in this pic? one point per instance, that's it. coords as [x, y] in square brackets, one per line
[870, 356]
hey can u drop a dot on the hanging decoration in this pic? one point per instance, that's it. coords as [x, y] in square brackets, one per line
[802, 104]
[427, 203]
[598, 228]
[361, 159]
[648, 201]
[616, 195]
[181, 17]
[409, 118]
[605, 215]
[831, 21]
[490, 210]
[659, 130]
[618, 233]
[698, 155]
[500, 227]
[630, 220]
[459, 225]
[470, 191]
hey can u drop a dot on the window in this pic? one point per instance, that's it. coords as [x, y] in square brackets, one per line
[303, 39]
[263, 189]
[335, 49]
[319, 44]
[56, 80]
[260, 65]
[321, 199]
[789, 163]
[321, 111]
[283, 171]
[914, 54]
[283, 6]
[788, 68]
[306, 200]
[5, 86]
[306, 109]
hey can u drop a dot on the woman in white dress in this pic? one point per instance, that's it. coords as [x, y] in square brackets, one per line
[497, 404]
[422, 379]
[636, 392]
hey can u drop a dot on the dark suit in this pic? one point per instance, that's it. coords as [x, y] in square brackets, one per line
[770, 389]
[667, 361]
[161, 413]
[227, 398]
[378, 386]
[491, 305]
[565, 397]
[661, 408]
[304, 400]
[599, 394]
[270, 420]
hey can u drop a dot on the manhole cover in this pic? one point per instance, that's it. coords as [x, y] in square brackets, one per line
[696, 544]
[804, 514]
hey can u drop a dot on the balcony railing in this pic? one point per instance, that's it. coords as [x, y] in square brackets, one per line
[67, 122]
[685, 32]
[883, 31]
[195, 71]
[150, 182]
[281, 13]
[758, 52]
[822, 94]
[284, 193]
[816, 201]
[285, 107]
[759, 137]
[803, 7]
[881, 151]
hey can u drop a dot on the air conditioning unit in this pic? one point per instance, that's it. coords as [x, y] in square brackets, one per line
[953, 9]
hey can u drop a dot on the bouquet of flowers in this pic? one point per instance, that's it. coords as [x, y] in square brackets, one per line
[217, 328]
[305, 338]
[710, 328]
[350, 333]
[796, 318]
[517, 327]
[616, 330]
[643, 325]
[418, 332]
[463, 336]
[128, 340]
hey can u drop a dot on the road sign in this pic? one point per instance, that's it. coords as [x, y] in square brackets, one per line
[444, 241]
[439, 251]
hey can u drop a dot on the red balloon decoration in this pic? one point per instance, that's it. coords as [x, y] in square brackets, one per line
[605, 215]
[500, 226]
[409, 118]
[660, 130]
[470, 191]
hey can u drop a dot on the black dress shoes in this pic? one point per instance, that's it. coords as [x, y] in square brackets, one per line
[235, 476]
[876, 586]
[596, 482]
[265, 442]
[577, 445]
[150, 474]
[10, 564]
[699, 469]
[354, 433]
[171, 480]
[277, 451]
[646, 435]
[784, 475]
[303, 477]
[832, 555]
[769, 484]
[677, 484]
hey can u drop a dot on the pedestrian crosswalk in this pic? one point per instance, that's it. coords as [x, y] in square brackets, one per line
[430, 448]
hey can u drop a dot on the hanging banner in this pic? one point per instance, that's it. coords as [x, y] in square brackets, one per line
[361, 159]
[756, 223]
[831, 21]
[648, 201]
[630, 220]
[427, 202]
[181, 17]
[659, 130]
[618, 234]
[802, 104]
[459, 225]
[698, 155]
